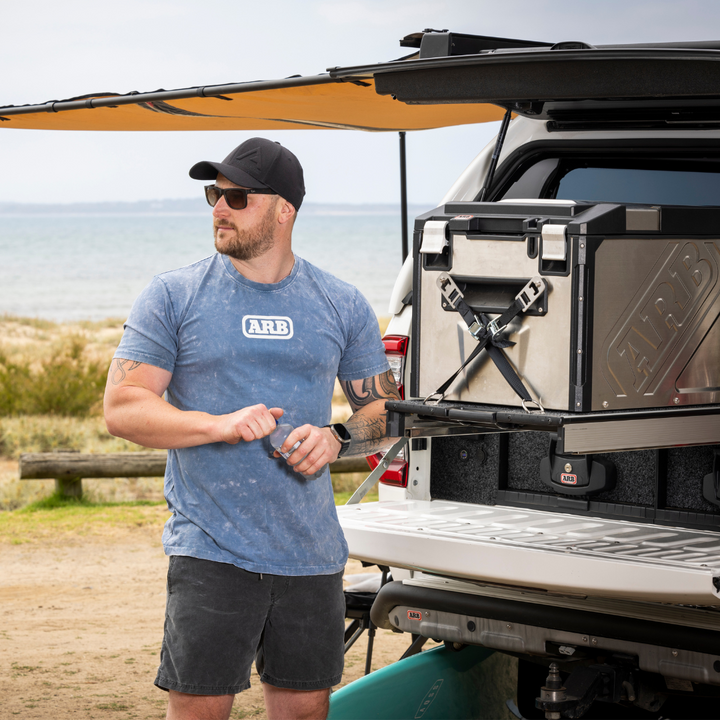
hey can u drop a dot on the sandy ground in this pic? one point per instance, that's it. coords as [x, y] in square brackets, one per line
[81, 627]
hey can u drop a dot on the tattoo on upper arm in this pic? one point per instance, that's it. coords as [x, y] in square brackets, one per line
[120, 368]
[378, 387]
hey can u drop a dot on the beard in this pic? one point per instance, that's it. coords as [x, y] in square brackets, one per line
[247, 243]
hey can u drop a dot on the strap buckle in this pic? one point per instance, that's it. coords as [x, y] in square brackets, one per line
[530, 293]
[476, 328]
[450, 291]
[487, 331]
[493, 328]
[536, 403]
[525, 299]
[454, 297]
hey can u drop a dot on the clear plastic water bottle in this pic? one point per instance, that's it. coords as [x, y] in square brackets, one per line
[277, 438]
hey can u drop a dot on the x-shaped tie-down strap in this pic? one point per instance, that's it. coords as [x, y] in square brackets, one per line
[489, 335]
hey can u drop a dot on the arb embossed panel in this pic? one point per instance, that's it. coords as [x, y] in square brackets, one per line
[661, 327]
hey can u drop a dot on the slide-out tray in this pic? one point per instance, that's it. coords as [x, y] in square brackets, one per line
[580, 433]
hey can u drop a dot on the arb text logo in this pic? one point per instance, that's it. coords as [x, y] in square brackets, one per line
[267, 327]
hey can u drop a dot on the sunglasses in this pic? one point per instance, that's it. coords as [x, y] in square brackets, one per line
[236, 198]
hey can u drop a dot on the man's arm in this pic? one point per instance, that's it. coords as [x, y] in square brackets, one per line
[366, 426]
[135, 410]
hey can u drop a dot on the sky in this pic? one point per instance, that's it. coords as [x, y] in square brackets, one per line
[54, 50]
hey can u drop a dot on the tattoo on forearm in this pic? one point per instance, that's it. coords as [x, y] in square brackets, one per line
[378, 387]
[120, 368]
[367, 434]
[367, 426]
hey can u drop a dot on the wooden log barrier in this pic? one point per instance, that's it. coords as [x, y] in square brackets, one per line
[68, 468]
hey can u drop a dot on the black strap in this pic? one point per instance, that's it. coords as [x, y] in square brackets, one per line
[456, 301]
[494, 345]
[488, 332]
[508, 372]
[478, 349]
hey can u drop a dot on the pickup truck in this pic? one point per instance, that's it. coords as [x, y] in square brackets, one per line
[565, 512]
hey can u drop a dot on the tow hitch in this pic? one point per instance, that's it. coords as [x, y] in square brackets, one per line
[582, 687]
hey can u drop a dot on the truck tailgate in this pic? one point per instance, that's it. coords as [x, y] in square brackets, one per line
[530, 548]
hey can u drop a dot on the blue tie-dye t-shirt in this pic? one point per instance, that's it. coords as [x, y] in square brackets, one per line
[230, 343]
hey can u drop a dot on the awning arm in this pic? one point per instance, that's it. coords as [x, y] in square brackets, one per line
[135, 98]
[403, 196]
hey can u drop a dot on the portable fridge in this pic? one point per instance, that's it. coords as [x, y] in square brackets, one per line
[627, 319]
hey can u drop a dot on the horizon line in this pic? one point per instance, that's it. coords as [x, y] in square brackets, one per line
[193, 200]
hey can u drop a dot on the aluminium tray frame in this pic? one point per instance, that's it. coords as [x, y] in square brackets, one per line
[579, 433]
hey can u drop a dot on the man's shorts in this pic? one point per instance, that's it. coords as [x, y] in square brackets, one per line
[219, 617]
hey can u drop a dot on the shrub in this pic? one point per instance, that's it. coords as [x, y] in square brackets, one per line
[66, 383]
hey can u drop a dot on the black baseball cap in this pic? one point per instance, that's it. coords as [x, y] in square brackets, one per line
[259, 163]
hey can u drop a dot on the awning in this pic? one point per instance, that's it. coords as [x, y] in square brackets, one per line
[298, 103]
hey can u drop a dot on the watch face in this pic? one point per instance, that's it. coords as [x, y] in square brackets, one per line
[341, 432]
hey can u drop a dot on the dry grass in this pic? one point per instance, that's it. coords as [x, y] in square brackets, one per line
[35, 340]
[51, 433]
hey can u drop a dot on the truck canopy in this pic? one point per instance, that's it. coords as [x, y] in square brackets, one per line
[570, 81]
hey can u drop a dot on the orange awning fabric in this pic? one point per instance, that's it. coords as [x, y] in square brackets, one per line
[301, 103]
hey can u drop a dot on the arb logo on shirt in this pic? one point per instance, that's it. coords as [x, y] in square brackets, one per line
[267, 327]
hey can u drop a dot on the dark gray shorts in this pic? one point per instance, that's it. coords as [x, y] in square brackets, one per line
[219, 617]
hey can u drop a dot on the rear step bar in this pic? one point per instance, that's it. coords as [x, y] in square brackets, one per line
[398, 594]
[528, 628]
[535, 549]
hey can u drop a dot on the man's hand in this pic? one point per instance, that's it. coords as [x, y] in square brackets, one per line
[250, 423]
[317, 449]
[366, 426]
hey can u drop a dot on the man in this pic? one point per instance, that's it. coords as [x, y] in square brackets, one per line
[213, 355]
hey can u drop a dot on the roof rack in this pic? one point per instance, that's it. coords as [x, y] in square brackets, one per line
[444, 43]
[441, 43]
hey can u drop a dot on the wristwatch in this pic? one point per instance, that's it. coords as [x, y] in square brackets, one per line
[342, 435]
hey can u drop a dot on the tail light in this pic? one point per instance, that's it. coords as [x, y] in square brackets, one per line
[396, 474]
[396, 351]
[396, 347]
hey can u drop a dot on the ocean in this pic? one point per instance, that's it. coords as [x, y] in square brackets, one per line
[90, 265]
